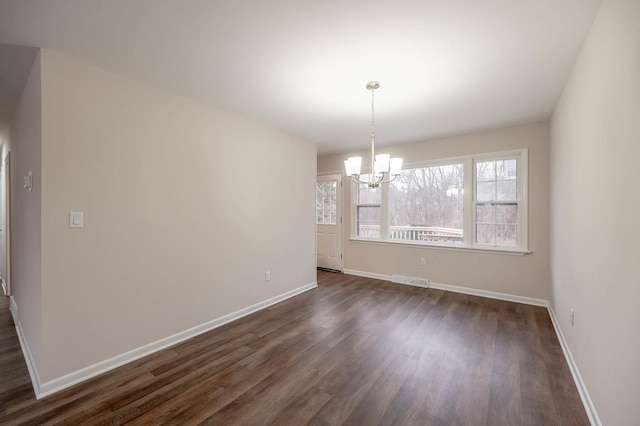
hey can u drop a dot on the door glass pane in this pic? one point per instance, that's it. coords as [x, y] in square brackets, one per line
[326, 217]
[326, 203]
[333, 187]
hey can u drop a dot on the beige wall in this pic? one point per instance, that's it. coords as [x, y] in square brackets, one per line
[526, 275]
[25, 138]
[595, 209]
[185, 208]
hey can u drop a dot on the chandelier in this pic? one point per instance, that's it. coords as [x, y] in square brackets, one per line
[381, 164]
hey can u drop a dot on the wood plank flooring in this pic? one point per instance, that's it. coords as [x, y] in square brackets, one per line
[354, 351]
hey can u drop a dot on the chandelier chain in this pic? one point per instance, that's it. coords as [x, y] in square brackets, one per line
[373, 133]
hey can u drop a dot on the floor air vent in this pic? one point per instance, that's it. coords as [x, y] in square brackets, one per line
[418, 282]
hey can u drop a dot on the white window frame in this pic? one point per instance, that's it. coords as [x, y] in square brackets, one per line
[469, 222]
[354, 211]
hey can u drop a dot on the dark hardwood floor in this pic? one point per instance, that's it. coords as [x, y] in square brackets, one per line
[353, 351]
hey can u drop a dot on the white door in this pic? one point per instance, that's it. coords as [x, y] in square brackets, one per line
[329, 222]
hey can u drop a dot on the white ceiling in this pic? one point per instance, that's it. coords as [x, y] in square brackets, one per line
[445, 67]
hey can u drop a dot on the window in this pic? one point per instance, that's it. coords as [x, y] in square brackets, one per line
[425, 204]
[326, 203]
[496, 202]
[474, 202]
[367, 211]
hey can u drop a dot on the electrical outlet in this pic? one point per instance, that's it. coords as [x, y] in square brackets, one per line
[423, 261]
[572, 316]
[267, 276]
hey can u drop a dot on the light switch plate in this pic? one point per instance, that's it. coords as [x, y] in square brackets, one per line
[76, 219]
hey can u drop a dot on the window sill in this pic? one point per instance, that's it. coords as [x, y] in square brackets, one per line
[508, 252]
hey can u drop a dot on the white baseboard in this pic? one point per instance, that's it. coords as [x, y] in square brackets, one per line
[13, 307]
[367, 274]
[26, 352]
[582, 389]
[463, 290]
[45, 389]
[491, 294]
[577, 378]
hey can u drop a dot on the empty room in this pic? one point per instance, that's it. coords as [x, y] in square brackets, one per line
[292, 212]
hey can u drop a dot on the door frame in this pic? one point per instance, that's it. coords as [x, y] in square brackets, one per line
[6, 278]
[340, 212]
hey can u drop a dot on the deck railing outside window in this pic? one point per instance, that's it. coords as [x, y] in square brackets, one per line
[414, 233]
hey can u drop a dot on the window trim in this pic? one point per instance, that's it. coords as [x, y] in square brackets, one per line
[469, 211]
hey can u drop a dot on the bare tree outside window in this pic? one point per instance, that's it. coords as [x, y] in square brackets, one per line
[426, 204]
[496, 202]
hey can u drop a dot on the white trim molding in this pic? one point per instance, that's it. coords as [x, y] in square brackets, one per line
[573, 367]
[463, 290]
[13, 307]
[368, 275]
[490, 294]
[48, 388]
[26, 352]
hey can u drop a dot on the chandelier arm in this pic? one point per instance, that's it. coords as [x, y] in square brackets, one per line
[358, 180]
[375, 180]
[391, 179]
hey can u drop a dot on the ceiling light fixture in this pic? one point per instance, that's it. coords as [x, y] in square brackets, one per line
[381, 163]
